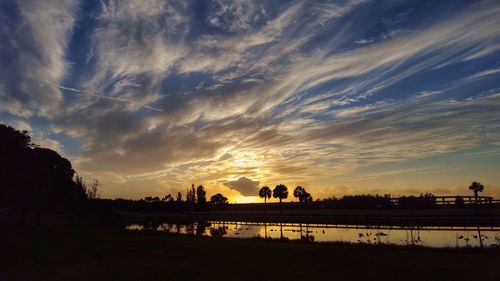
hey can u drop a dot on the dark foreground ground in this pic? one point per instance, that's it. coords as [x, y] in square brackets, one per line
[78, 253]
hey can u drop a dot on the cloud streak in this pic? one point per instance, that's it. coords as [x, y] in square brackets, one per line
[101, 96]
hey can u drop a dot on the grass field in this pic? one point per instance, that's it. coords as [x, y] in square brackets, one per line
[78, 253]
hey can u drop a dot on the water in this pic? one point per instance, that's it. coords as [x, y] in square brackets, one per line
[408, 235]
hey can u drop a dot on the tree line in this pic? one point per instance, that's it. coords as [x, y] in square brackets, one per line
[195, 200]
[196, 197]
[36, 179]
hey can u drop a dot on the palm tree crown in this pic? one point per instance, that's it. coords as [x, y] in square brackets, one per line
[476, 187]
[280, 192]
[265, 192]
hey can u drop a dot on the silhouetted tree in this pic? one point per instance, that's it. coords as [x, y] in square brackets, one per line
[301, 193]
[53, 183]
[427, 200]
[168, 198]
[280, 192]
[363, 201]
[35, 178]
[201, 195]
[179, 196]
[61, 176]
[191, 195]
[218, 199]
[303, 196]
[476, 187]
[265, 192]
[298, 191]
[15, 162]
[307, 198]
[92, 191]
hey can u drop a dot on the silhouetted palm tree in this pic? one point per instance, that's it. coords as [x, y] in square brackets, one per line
[476, 187]
[280, 192]
[265, 192]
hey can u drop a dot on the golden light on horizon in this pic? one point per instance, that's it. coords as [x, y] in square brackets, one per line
[244, 199]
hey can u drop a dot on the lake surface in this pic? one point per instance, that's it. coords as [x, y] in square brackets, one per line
[430, 236]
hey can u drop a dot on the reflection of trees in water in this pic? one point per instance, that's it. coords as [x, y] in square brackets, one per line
[464, 237]
[193, 228]
[307, 237]
[480, 237]
[201, 227]
[218, 231]
[413, 236]
[483, 240]
[163, 227]
[497, 241]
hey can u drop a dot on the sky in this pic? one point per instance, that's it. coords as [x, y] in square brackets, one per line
[341, 97]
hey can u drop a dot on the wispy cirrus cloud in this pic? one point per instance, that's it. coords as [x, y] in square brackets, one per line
[34, 40]
[157, 94]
